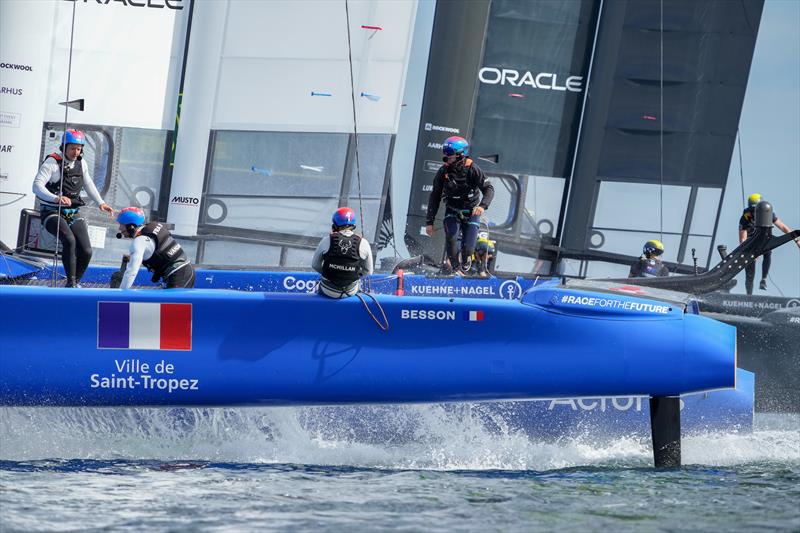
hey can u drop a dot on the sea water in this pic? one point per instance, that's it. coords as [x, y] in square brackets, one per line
[426, 469]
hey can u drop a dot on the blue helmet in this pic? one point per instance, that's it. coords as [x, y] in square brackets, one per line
[73, 137]
[344, 216]
[131, 215]
[455, 146]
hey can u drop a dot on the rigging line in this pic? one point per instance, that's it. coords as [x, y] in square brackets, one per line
[63, 158]
[744, 199]
[661, 125]
[741, 170]
[392, 242]
[568, 189]
[383, 326]
[355, 120]
[776, 285]
[8, 267]
[19, 195]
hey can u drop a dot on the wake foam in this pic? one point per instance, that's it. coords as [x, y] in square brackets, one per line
[407, 437]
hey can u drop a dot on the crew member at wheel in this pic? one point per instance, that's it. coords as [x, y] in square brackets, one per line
[342, 257]
[649, 264]
[747, 225]
[58, 185]
[154, 247]
[467, 194]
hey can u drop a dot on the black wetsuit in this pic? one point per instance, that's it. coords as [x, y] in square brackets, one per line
[648, 268]
[463, 186]
[747, 223]
[168, 262]
[66, 223]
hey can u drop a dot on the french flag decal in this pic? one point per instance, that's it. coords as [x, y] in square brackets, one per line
[473, 316]
[144, 326]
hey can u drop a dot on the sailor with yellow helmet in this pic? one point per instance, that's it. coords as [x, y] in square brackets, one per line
[649, 264]
[485, 253]
[747, 226]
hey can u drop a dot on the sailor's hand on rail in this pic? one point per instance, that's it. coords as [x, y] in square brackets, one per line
[429, 230]
[63, 200]
[478, 211]
[107, 208]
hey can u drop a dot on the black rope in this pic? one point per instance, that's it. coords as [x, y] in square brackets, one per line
[741, 170]
[661, 126]
[385, 325]
[744, 197]
[63, 158]
[355, 120]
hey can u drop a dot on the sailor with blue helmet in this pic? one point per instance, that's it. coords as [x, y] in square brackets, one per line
[57, 186]
[649, 264]
[467, 194]
[154, 247]
[342, 257]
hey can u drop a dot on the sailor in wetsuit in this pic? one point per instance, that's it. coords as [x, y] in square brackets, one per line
[467, 194]
[746, 228]
[342, 257]
[649, 264]
[57, 186]
[155, 248]
[485, 257]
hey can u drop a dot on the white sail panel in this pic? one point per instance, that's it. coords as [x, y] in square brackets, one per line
[125, 63]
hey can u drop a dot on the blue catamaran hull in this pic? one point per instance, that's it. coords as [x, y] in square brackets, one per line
[226, 348]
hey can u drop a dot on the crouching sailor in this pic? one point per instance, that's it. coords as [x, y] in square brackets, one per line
[342, 257]
[155, 248]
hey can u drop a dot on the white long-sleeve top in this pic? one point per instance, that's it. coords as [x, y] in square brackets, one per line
[142, 248]
[365, 255]
[50, 172]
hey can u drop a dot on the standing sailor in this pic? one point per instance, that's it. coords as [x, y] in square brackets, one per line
[467, 194]
[747, 225]
[58, 185]
[649, 264]
[154, 247]
[342, 257]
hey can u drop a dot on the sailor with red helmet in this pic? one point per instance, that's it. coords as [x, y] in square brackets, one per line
[58, 185]
[342, 257]
[467, 194]
[154, 247]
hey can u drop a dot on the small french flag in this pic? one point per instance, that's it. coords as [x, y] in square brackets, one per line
[473, 316]
[144, 326]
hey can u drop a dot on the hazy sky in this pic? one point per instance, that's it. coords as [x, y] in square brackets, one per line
[770, 137]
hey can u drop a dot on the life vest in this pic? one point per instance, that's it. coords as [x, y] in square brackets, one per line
[461, 187]
[650, 268]
[71, 182]
[748, 220]
[485, 246]
[168, 252]
[341, 264]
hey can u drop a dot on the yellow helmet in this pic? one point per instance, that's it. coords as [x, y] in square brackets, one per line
[753, 199]
[653, 247]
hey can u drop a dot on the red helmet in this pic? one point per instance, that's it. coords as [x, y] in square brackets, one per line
[73, 137]
[344, 216]
[131, 215]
